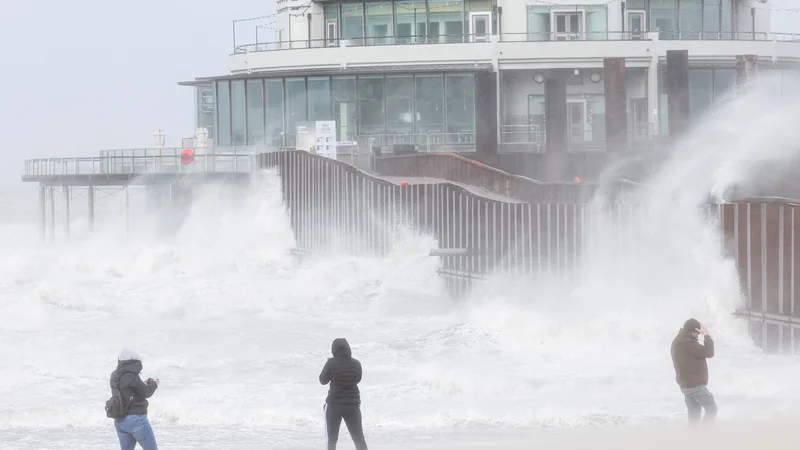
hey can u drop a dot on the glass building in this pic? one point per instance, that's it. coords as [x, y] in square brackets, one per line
[411, 108]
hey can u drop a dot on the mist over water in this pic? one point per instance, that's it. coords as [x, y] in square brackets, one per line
[237, 328]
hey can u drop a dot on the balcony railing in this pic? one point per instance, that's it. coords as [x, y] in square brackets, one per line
[518, 37]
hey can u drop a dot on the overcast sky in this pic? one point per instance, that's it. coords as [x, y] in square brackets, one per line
[85, 75]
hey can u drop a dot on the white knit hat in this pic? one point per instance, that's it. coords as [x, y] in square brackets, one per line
[128, 355]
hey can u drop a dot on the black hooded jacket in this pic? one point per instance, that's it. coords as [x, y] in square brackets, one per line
[343, 372]
[130, 384]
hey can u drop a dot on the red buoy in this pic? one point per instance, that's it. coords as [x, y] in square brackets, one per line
[187, 156]
[577, 180]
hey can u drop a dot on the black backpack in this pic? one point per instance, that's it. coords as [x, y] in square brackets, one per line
[116, 407]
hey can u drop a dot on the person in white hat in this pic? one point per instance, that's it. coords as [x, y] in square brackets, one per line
[131, 423]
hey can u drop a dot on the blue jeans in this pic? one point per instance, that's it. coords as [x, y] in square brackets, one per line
[698, 398]
[133, 429]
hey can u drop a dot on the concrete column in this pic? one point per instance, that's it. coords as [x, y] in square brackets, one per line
[616, 97]
[678, 90]
[746, 72]
[555, 115]
[42, 213]
[90, 197]
[66, 211]
[52, 196]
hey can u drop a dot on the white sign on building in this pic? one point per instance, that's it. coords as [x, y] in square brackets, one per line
[326, 138]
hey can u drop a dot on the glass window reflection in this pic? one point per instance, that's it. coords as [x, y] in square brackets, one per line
[432, 109]
[255, 112]
[223, 113]
[273, 88]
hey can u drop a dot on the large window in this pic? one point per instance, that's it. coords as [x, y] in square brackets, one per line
[345, 107]
[255, 112]
[370, 105]
[237, 113]
[672, 19]
[410, 17]
[445, 21]
[399, 104]
[430, 104]
[422, 108]
[379, 23]
[319, 98]
[567, 22]
[224, 113]
[707, 87]
[692, 19]
[352, 23]
[664, 18]
[273, 88]
[460, 107]
[295, 107]
[410, 21]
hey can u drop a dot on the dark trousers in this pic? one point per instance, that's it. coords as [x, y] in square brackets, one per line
[697, 399]
[352, 418]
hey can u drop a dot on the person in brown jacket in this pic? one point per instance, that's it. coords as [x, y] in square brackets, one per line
[691, 370]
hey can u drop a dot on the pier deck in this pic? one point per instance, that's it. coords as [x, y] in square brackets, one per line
[136, 169]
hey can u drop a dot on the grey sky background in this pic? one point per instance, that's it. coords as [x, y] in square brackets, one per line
[85, 75]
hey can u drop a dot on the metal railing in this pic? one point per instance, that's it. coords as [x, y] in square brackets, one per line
[519, 37]
[422, 142]
[138, 165]
[175, 151]
[646, 36]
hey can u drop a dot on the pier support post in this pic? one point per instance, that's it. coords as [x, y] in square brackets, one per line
[66, 211]
[90, 199]
[42, 213]
[746, 72]
[678, 91]
[125, 210]
[616, 103]
[52, 195]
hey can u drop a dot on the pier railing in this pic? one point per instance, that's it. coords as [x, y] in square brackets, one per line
[118, 165]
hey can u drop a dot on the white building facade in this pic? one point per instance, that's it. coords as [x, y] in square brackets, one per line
[459, 75]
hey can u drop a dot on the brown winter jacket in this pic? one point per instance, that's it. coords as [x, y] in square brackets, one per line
[689, 359]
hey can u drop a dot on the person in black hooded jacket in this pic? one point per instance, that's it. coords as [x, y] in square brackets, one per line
[134, 427]
[343, 372]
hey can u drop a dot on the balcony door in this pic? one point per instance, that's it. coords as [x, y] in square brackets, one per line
[480, 24]
[577, 120]
[567, 26]
[635, 24]
[331, 33]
